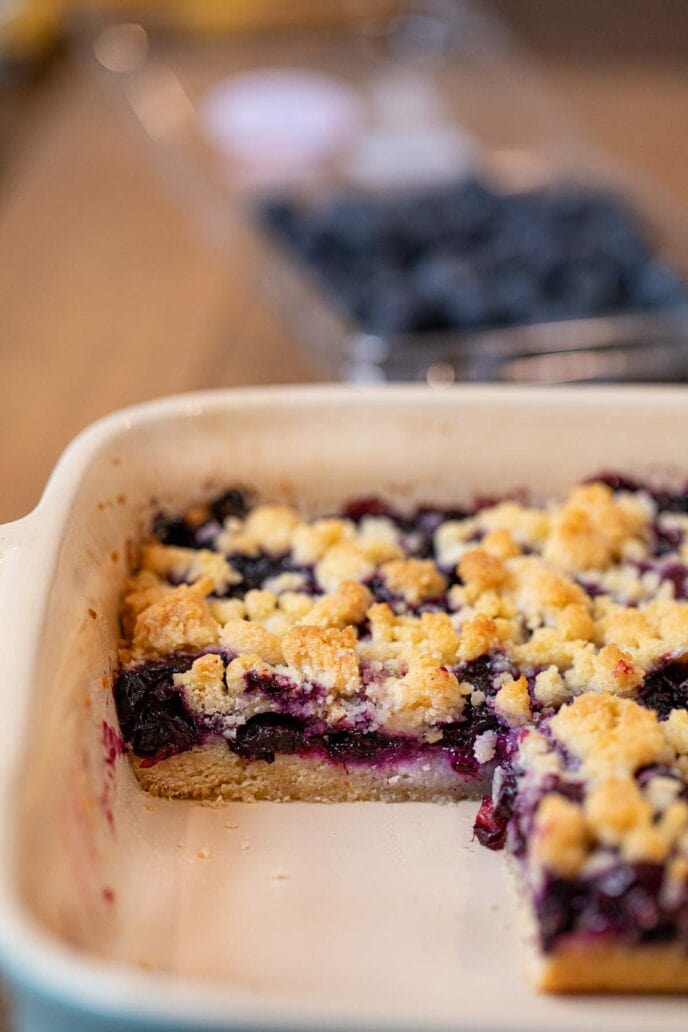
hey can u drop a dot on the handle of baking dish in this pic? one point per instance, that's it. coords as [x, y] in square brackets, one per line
[15, 546]
[20, 611]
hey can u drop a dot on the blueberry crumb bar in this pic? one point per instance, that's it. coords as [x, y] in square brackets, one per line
[536, 656]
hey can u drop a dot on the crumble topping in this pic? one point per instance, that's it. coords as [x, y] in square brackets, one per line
[324, 656]
[344, 561]
[179, 621]
[550, 640]
[188, 564]
[348, 604]
[676, 731]
[414, 579]
[595, 527]
[267, 528]
[560, 840]
[566, 595]
[244, 636]
[536, 754]
[549, 688]
[425, 696]
[205, 684]
[610, 735]
[512, 702]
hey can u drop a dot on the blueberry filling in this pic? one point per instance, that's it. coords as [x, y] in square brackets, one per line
[157, 723]
[151, 710]
[231, 503]
[492, 820]
[490, 826]
[623, 901]
[666, 689]
[176, 532]
[269, 733]
[185, 533]
[255, 570]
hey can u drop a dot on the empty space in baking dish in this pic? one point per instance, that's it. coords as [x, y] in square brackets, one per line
[361, 911]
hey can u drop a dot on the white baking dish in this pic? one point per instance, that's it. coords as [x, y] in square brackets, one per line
[121, 912]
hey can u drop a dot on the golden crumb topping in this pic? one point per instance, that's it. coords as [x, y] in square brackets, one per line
[179, 621]
[481, 570]
[270, 527]
[478, 636]
[407, 637]
[610, 735]
[140, 592]
[428, 694]
[259, 603]
[205, 684]
[512, 702]
[549, 688]
[189, 564]
[676, 731]
[596, 527]
[311, 541]
[500, 544]
[326, 656]
[560, 839]
[536, 753]
[614, 807]
[342, 562]
[414, 579]
[348, 604]
[244, 636]
[528, 527]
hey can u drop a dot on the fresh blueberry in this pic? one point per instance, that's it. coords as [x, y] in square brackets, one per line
[151, 710]
[268, 733]
[393, 306]
[666, 689]
[657, 284]
[348, 746]
[175, 532]
[514, 294]
[585, 285]
[231, 503]
[453, 288]
[255, 570]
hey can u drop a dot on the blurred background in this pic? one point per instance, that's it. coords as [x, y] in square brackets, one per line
[221, 192]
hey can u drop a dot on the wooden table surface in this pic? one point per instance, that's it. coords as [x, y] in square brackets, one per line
[108, 296]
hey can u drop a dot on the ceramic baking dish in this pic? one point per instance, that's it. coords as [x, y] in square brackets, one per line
[122, 912]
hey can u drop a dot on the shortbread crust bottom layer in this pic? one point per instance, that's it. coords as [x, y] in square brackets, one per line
[214, 772]
[580, 968]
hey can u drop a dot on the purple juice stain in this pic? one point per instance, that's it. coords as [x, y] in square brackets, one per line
[113, 743]
[358, 508]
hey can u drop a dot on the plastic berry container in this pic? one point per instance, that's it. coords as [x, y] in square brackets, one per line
[390, 107]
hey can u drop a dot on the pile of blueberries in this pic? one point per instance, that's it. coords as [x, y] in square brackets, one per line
[463, 256]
